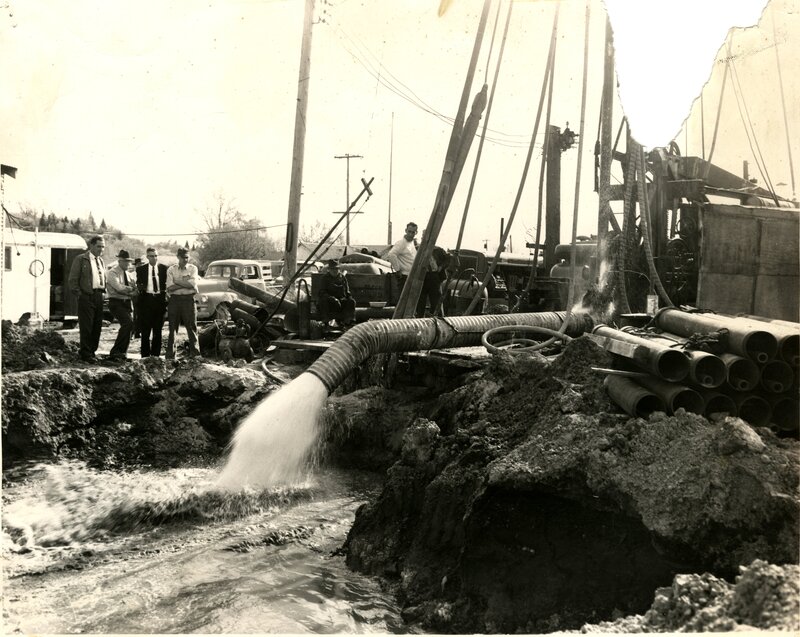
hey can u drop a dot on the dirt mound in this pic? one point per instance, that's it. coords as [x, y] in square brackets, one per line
[25, 348]
[765, 597]
[529, 503]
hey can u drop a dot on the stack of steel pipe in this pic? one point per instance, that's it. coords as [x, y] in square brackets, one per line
[752, 373]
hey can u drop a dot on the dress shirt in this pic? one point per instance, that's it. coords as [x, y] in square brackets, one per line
[185, 275]
[98, 268]
[152, 279]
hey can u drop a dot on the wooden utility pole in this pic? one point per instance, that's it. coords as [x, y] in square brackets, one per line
[552, 224]
[348, 157]
[391, 158]
[606, 118]
[298, 151]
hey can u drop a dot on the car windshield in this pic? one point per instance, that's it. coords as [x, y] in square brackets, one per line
[221, 272]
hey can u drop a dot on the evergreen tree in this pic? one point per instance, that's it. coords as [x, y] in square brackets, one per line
[186, 245]
[103, 226]
[90, 224]
[42, 222]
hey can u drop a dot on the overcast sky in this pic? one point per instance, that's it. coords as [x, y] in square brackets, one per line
[140, 115]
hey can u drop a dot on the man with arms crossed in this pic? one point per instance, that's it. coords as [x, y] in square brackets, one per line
[181, 287]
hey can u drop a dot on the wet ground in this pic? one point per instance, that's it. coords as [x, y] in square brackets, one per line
[161, 552]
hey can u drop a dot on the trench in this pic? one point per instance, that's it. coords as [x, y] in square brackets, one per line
[506, 497]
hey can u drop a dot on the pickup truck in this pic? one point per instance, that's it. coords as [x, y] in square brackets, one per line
[215, 296]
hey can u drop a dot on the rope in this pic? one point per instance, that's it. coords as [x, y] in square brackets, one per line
[783, 103]
[547, 70]
[485, 125]
[719, 109]
[645, 221]
[750, 130]
[540, 200]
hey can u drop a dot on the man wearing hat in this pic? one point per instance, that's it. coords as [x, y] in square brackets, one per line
[335, 300]
[121, 288]
[181, 288]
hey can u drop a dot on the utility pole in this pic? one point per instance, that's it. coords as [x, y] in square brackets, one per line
[606, 118]
[298, 152]
[348, 157]
[391, 157]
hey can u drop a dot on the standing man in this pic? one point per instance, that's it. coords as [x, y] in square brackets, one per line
[181, 287]
[151, 279]
[121, 292]
[402, 254]
[87, 281]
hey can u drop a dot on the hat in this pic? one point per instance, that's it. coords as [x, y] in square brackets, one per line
[182, 252]
[124, 254]
[333, 263]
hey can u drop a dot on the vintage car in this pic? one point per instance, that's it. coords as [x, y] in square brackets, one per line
[215, 295]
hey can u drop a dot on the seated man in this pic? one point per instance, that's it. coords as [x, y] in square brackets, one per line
[335, 300]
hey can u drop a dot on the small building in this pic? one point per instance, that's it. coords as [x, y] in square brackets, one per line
[35, 272]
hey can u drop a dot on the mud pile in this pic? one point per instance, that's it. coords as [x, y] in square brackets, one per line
[143, 412]
[25, 348]
[764, 597]
[522, 501]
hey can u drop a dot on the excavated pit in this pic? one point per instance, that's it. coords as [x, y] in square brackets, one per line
[516, 497]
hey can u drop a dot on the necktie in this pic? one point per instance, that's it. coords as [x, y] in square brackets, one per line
[100, 272]
[125, 277]
[155, 279]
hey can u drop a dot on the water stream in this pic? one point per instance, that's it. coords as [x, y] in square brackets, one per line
[169, 552]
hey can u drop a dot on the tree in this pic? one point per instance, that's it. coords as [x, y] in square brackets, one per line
[228, 234]
[103, 226]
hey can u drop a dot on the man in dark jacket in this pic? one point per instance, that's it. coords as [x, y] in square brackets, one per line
[335, 300]
[87, 281]
[151, 279]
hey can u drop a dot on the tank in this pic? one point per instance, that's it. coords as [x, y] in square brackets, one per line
[458, 295]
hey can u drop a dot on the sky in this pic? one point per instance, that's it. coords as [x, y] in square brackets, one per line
[142, 118]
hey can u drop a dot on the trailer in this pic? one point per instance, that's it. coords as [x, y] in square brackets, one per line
[35, 271]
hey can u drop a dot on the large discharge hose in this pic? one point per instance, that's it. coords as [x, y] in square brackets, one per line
[404, 335]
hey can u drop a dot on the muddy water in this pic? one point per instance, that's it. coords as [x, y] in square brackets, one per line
[167, 552]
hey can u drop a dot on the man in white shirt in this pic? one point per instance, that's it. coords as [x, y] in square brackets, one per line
[181, 287]
[402, 254]
[87, 281]
[121, 292]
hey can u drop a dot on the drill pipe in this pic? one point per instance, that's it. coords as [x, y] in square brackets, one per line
[705, 370]
[269, 299]
[785, 412]
[634, 399]
[741, 373]
[717, 403]
[665, 362]
[674, 396]
[754, 409]
[787, 335]
[405, 335]
[741, 339]
[776, 377]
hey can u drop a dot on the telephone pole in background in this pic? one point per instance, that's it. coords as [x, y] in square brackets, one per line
[391, 157]
[348, 157]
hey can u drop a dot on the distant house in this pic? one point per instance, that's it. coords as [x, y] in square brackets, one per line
[35, 271]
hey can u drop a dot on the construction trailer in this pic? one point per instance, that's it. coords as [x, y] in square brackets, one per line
[35, 271]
